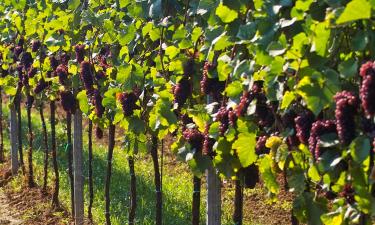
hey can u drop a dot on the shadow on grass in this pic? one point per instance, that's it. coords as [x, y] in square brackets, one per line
[175, 211]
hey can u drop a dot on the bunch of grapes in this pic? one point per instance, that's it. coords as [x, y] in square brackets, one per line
[223, 117]
[250, 175]
[19, 70]
[303, 123]
[232, 116]
[260, 147]
[128, 102]
[245, 101]
[263, 111]
[194, 137]
[189, 68]
[182, 91]
[35, 45]
[53, 62]
[288, 121]
[367, 90]
[367, 69]
[68, 101]
[97, 102]
[41, 85]
[348, 193]
[208, 142]
[346, 108]
[211, 86]
[29, 101]
[99, 132]
[31, 72]
[318, 129]
[64, 58]
[17, 51]
[62, 73]
[86, 76]
[27, 60]
[21, 41]
[100, 75]
[80, 53]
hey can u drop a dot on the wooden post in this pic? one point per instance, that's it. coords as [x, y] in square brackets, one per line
[13, 139]
[78, 169]
[213, 197]
[213, 216]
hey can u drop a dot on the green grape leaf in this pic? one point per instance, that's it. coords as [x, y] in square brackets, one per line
[83, 102]
[245, 148]
[355, 10]
[226, 14]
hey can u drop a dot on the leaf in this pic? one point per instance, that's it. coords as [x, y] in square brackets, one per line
[348, 68]
[83, 102]
[234, 89]
[172, 51]
[226, 14]
[360, 149]
[245, 146]
[269, 178]
[355, 10]
[288, 98]
[321, 37]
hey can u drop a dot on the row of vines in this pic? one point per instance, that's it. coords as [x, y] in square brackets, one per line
[256, 90]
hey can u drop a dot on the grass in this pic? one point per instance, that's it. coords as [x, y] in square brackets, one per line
[177, 181]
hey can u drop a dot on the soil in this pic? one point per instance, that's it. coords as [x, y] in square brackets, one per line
[27, 206]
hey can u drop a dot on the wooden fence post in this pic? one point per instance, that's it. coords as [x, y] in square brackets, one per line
[78, 169]
[13, 139]
[213, 216]
[213, 197]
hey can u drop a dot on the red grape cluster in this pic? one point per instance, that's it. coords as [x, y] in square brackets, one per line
[27, 60]
[64, 58]
[100, 75]
[128, 102]
[17, 51]
[223, 117]
[263, 111]
[29, 101]
[348, 193]
[303, 123]
[245, 101]
[367, 90]
[211, 86]
[189, 68]
[41, 86]
[53, 62]
[194, 137]
[62, 73]
[97, 102]
[182, 91]
[80, 53]
[86, 76]
[32, 72]
[346, 108]
[288, 120]
[35, 45]
[318, 129]
[232, 116]
[68, 101]
[260, 147]
[208, 142]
